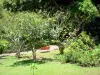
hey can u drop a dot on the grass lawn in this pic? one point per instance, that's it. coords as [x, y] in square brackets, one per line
[10, 65]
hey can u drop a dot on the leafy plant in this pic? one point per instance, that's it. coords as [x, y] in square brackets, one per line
[33, 68]
[3, 45]
[90, 58]
[61, 58]
[82, 51]
[88, 8]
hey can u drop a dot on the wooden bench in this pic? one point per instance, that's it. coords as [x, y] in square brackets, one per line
[44, 49]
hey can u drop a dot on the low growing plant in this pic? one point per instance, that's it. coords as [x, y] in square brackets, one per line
[33, 68]
[82, 51]
[3, 45]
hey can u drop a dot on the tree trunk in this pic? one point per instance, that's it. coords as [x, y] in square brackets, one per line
[61, 48]
[18, 53]
[34, 54]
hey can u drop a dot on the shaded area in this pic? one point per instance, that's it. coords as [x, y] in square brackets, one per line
[2, 57]
[30, 61]
[93, 29]
[96, 3]
[34, 5]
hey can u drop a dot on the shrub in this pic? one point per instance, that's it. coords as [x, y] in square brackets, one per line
[61, 58]
[3, 45]
[82, 51]
[90, 58]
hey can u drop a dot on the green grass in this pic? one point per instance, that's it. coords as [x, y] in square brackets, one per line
[10, 65]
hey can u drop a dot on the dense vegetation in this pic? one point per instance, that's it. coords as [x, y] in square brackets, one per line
[72, 24]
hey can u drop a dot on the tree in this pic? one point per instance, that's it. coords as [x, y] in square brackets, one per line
[36, 36]
[89, 12]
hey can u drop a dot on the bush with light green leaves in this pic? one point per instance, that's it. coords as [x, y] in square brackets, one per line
[82, 50]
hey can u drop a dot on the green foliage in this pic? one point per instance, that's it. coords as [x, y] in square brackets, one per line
[87, 7]
[61, 58]
[1, 11]
[82, 42]
[19, 26]
[82, 50]
[33, 68]
[29, 31]
[87, 58]
[3, 45]
[31, 5]
[90, 58]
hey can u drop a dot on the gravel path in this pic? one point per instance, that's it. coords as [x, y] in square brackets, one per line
[52, 47]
